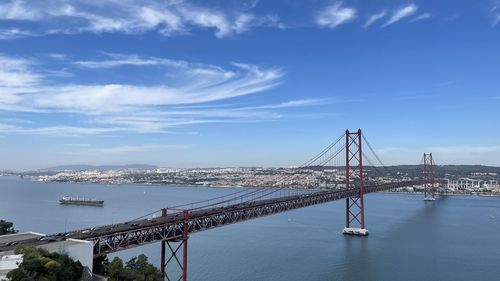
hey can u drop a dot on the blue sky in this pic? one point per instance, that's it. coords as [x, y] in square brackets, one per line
[261, 83]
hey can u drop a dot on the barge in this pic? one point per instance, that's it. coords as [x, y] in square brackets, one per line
[81, 201]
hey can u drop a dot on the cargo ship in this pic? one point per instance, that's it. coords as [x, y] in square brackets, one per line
[81, 201]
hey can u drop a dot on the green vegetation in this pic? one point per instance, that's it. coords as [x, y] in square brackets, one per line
[136, 269]
[39, 264]
[6, 227]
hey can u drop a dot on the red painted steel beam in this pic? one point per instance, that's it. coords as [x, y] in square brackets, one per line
[185, 237]
[162, 257]
[361, 186]
[347, 220]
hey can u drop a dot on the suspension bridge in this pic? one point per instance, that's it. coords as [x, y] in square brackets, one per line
[171, 226]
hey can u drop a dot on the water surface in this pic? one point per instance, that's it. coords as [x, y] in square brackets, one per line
[453, 238]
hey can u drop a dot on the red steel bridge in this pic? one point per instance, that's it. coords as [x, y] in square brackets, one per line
[171, 226]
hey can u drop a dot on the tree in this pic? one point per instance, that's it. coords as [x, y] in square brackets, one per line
[144, 270]
[136, 269]
[6, 227]
[39, 264]
[100, 265]
[115, 269]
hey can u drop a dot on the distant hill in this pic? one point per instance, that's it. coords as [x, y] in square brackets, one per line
[100, 168]
[441, 171]
[447, 170]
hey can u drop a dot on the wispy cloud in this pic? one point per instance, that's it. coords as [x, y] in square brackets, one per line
[335, 15]
[459, 149]
[57, 130]
[115, 60]
[184, 99]
[388, 150]
[14, 33]
[375, 17]
[131, 17]
[421, 17]
[15, 72]
[465, 149]
[206, 84]
[135, 148]
[459, 154]
[495, 12]
[289, 104]
[401, 13]
[77, 144]
[16, 77]
[18, 10]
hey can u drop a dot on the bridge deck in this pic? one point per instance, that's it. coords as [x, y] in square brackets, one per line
[117, 237]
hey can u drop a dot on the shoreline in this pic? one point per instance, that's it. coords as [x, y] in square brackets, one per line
[444, 194]
[242, 187]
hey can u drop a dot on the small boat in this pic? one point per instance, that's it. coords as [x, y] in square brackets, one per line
[81, 201]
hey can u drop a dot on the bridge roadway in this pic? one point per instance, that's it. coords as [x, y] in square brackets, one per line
[113, 238]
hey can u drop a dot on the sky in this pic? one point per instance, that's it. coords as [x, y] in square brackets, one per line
[246, 83]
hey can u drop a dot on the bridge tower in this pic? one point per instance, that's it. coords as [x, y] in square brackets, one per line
[176, 259]
[428, 177]
[355, 207]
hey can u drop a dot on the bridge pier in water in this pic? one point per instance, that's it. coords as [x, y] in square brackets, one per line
[174, 247]
[428, 173]
[355, 207]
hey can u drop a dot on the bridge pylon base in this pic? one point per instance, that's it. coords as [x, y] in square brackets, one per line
[355, 231]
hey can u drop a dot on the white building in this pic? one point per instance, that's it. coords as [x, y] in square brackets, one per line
[80, 250]
[8, 263]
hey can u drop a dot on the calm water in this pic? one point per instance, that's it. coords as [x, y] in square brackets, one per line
[454, 238]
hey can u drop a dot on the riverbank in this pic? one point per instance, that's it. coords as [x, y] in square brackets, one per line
[443, 194]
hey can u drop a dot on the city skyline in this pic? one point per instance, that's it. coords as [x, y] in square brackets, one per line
[246, 83]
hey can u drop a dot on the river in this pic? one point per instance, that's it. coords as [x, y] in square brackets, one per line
[453, 238]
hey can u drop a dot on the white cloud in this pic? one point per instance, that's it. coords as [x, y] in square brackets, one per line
[465, 149]
[15, 72]
[115, 60]
[58, 130]
[130, 17]
[207, 18]
[401, 13]
[335, 15]
[460, 154]
[20, 85]
[13, 33]
[17, 10]
[124, 108]
[15, 121]
[421, 17]
[109, 98]
[375, 17]
[78, 144]
[299, 103]
[58, 56]
[16, 78]
[135, 148]
[495, 12]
